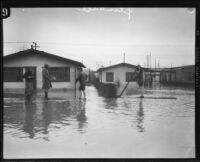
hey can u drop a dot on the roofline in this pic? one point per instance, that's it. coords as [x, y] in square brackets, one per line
[112, 66]
[10, 56]
[178, 67]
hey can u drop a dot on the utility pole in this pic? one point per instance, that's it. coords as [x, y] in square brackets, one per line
[150, 68]
[150, 60]
[155, 69]
[124, 58]
[171, 73]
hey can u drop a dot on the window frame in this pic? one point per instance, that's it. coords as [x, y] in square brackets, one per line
[66, 70]
[108, 79]
[19, 77]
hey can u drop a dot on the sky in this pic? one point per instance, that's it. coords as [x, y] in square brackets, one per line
[102, 36]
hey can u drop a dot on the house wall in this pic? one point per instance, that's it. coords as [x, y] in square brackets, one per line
[38, 61]
[182, 75]
[166, 76]
[119, 75]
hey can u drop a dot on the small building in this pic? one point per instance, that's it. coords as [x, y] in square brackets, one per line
[62, 69]
[184, 75]
[118, 74]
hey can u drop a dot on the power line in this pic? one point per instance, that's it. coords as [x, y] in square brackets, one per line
[77, 44]
[17, 42]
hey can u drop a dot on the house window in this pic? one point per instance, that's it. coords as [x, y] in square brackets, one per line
[13, 74]
[60, 74]
[109, 76]
[130, 76]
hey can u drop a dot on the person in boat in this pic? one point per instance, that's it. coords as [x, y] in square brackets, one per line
[82, 77]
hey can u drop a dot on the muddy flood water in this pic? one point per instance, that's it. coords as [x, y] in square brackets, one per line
[126, 127]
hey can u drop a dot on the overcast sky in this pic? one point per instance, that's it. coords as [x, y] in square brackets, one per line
[101, 36]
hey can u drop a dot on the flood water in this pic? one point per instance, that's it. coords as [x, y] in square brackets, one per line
[126, 127]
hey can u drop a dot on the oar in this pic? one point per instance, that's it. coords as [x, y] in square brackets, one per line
[158, 97]
[123, 89]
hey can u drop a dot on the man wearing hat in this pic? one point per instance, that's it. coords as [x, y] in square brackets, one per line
[46, 79]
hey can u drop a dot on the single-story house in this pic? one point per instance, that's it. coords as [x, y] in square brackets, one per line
[153, 74]
[178, 75]
[64, 70]
[118, 74]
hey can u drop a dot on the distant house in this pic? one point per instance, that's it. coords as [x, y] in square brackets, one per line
[152, 75]
[117, 74]
[14, 65]
[178, 75]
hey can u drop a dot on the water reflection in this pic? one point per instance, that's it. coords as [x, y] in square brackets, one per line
[140, 117]
[41, 118]
[29, 119]
[81, 117]
[110, 103]
[47, 118]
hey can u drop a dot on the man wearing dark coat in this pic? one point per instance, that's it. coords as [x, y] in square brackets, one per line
[46, 78]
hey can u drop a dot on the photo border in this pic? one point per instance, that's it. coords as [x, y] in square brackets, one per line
[8, 4]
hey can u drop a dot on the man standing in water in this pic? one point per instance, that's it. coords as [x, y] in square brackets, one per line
[140, 80]
[82, 77]
[46, 78]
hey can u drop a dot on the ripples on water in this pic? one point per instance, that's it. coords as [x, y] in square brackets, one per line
[22, 119]
[63, 116]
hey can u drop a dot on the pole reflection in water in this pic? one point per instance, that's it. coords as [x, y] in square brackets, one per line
[29, 119]
[81, 117]
[140, 117]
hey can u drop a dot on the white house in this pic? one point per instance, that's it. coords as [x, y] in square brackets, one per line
[118, 74]
[64, 70]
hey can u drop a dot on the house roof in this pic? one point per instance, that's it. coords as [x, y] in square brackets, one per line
[42, 53]
[116, 65]
[177, 68]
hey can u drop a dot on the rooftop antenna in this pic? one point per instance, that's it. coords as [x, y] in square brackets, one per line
[35, 45]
